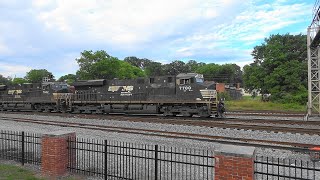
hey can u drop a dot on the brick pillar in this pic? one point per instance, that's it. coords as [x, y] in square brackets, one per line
[234, 163]
[54, 155]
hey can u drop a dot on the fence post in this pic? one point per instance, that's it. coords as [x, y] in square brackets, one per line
[55, 154]
[156, 162]
[234, 162]
[105, 159]
[22, 148]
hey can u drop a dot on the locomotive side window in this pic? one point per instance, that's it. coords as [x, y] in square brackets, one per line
[151, 80]
[169, 79]
[184, 81]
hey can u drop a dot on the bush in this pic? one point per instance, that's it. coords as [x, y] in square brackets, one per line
[285, 98]
[224, 95]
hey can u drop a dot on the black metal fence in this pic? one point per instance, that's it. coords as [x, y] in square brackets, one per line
[119, 160]
[21, 147]
[281, 169]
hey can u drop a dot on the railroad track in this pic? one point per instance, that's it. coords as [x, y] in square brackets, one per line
[245, 124]
[175, 135]
[265, 113]
[230, 113]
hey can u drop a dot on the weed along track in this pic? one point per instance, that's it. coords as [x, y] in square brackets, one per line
[181, 135]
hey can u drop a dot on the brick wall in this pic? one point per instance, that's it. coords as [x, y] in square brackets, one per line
[220, 87]
[54, 155]
[234, 163]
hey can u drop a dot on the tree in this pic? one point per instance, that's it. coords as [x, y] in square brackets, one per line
[69, 78]
[175, 68]
[252, 75]
[86, 62]
[4, 80]
[36, 75]
[280, 68]
[237, 74]
[128, 71]
[194, 65]
[100, 65]
[154, 69]
[151, 68]
[134, 61]
[227, 73]
[19, 81]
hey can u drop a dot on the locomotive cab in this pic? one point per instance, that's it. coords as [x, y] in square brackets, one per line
[197, 94]
[191, 86]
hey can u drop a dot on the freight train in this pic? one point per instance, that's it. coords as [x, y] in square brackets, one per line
[186, 94]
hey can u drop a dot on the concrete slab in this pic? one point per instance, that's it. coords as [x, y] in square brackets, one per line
[58, 133]
[313, 118]
[232, 150]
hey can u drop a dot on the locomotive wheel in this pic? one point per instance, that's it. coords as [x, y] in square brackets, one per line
[203, 114]
[186, 114]
[37, 108]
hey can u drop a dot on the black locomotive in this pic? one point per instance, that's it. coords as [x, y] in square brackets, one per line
[184, 95]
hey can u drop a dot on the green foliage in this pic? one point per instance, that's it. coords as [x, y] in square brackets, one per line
[247, 103]
[227, 73]
[36, 75]
[69, 78]
[5, 81]
[230, 73]
[86, 63]
[224, 96]
[19, 81]
[252, 76]
[100, 65]
[151, 68]
[128, 71]
[176, 67]
[193, 65]
[280, 68]
[11, 172]
[154, 69]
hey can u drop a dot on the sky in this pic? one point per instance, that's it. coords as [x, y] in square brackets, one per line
[51, 34]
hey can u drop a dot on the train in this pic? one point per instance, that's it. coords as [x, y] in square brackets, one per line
[186, 94]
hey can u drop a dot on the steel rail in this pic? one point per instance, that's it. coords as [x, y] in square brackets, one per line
[176, 135]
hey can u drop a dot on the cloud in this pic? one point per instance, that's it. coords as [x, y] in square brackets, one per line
[12, 70]
[50, 34]
[4, 49]
[231, 39]
[128, 23]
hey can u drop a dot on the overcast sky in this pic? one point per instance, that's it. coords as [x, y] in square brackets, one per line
[50, 34]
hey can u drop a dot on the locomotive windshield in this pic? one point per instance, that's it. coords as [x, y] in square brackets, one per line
[199, 80]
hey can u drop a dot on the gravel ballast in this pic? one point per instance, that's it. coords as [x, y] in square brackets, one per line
[162, 141]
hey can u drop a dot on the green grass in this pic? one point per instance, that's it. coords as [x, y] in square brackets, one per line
[11, 172]
[247, 103]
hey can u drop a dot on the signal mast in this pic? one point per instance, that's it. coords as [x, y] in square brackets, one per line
[313, 45]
